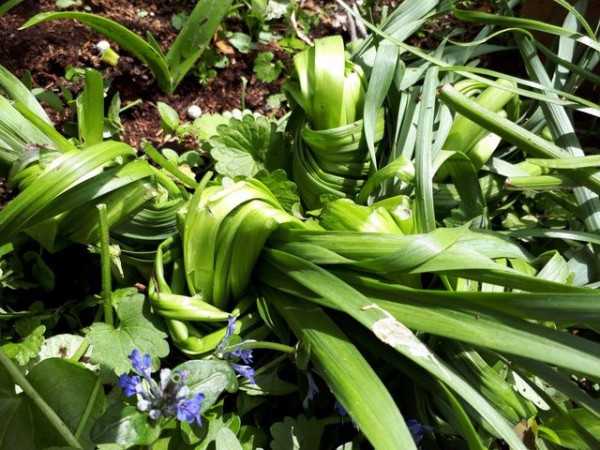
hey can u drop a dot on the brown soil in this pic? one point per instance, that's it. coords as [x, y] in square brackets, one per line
[46, 50]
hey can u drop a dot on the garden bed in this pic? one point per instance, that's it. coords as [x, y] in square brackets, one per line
[280, 224]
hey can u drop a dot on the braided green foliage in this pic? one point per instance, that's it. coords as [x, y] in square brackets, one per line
[331, 156]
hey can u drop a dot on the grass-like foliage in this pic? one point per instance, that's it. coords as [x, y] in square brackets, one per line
[409, 259]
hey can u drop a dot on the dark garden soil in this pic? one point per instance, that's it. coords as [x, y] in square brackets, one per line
[46, 50]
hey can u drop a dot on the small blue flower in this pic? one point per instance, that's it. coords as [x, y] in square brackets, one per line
[189, 409]
[313, 390]
[245, 371]
[130, 385]
[244, 354]
[417, 430]
[340, 409]
[239, 353]
[139, 364]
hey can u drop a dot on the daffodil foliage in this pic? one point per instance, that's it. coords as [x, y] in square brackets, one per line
[408, 259]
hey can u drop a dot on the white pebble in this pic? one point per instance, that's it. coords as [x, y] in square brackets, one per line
[102, 46]
[193, 112]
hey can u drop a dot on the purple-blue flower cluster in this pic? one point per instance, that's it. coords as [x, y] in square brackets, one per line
[237, 355]
[417, 430]
[169, 398]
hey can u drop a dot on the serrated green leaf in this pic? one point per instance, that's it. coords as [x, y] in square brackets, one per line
[211, 429]
[298, 434]
[241, 148]
[112, 346]
[282, 188]
[241, 41]
[265, 69]
[206, 125]
[28, 348]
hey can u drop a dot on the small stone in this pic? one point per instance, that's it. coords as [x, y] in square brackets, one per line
[102, 46]
[193, 112]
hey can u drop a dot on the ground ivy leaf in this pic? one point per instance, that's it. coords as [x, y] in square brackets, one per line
[299, 433]
[241, 148]
[206, 437]
[206, 125]
[112, 346]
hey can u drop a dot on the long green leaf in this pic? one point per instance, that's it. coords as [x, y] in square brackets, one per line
[363, 394]
[563, 132]
[121, 35]
[425, 214]
[90, 109]
[194, 37]
[516, 135]
[528, 24]
[8, 5]
[18, 92]
[326, 289]
[379, 83]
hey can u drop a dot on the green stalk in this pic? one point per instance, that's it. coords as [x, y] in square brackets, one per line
[105, 264]
[53, 418]
[425, 217]
[266, 346]
[88, 408]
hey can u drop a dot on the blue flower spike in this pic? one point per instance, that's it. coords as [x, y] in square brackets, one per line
[239, 353]
[169, 399]
[141, 364]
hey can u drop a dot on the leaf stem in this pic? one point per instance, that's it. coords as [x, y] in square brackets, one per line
[105, 264]
[263, 345]
[244, 84]
[270, 364]
[53, 418]
[88, 408]
[80, 351]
